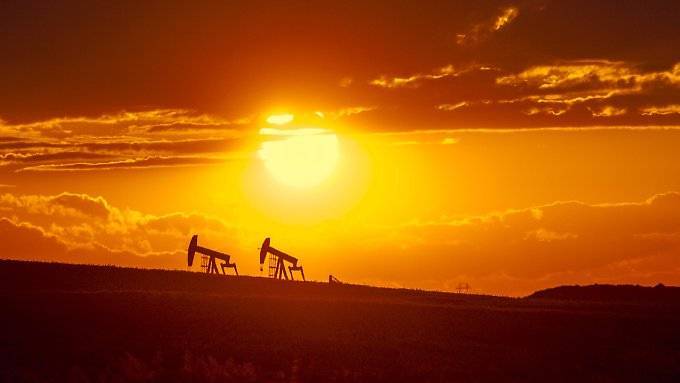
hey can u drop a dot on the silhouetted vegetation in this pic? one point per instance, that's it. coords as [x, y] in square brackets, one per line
[613, 293]
[69, 323]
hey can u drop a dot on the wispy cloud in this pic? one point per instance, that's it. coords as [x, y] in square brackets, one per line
[462, 105]
[124, 140]
[607, 111]
[451, 107]
[555, 89]
[550, 110]
[49, 157]
[136, 123]
[589, 77]
[133, 163]
[350, 111]
[506, 16]
[661, 110]
[415, 80]
[484, 30]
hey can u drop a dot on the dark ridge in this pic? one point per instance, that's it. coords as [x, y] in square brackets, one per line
[612, 293]
[82, 323]
[48, 276]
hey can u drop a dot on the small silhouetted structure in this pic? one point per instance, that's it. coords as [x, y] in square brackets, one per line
[463, 288]
[208, 258]
[333, 280]
[277, 259]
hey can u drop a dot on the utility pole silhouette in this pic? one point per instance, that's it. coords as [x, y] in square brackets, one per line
[463, 288]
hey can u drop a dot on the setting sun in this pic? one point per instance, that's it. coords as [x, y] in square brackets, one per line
[301, 160]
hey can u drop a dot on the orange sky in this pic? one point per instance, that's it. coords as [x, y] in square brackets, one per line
[510, 145]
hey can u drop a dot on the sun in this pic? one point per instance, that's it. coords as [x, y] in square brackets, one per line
[300, 158]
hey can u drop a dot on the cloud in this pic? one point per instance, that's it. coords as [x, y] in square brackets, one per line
[580, 92]
[544, 235]
[549, 110]
[581, 80]
[660, 110]
[95, 207]
[124, 136]
[120, 152]
[28, 144]
[350, 111]
[482, 31]
[575, 93]
[510, 252]
[514, 36]
[49, 157]
[452, 107]
[137, 163]
[206, 145]
[415, 80]
[462, 105]
[506, 16]
[562, 242]
[570, 75]
[607, 111]
[183, 127]
[26, 242]
[85, 229]
[130, 140]
[124, 122]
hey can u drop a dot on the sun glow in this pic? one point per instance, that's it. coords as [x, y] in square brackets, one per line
[301, 160]
[280, 119]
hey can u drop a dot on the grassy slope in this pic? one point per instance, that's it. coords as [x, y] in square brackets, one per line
[80, 323]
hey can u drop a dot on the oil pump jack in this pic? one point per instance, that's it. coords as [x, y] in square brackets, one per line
[277, 259]
[208, 258]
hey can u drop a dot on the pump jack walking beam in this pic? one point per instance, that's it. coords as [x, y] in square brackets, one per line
[212, 254]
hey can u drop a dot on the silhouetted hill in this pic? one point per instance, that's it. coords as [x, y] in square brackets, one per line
[76, 323]
[48, 276]
[613, 293]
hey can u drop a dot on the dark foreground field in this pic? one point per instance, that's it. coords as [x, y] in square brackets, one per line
[64, 323]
